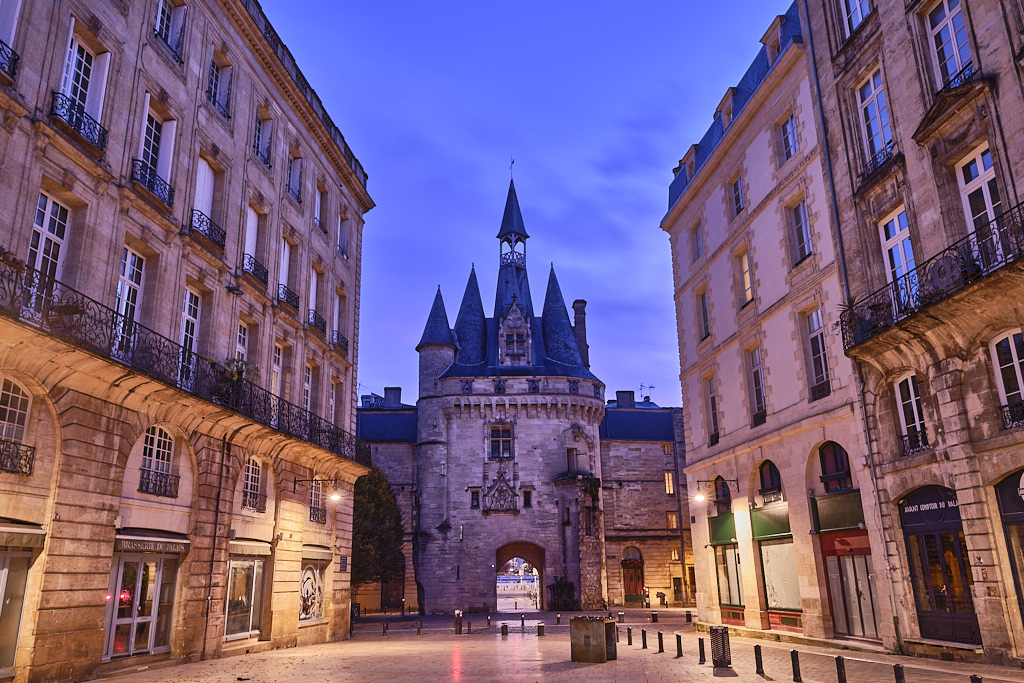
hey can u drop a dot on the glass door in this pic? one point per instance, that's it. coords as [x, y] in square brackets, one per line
[139, 619]
[942, 586]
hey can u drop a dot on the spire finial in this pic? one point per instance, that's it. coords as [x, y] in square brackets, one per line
[511, 165]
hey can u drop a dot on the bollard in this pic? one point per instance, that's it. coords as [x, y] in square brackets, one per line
[700, 648]
[758, 664]
[661, 642]
[796, 666]
[840, 669]
[488, 621]
[419, 627]
[540, 629]
[629, 635]
[897, 672]
[469, 627]
[643, 639]
[616, 634]
[975, 679]
[504, 630]
[522, 620]
[689, 617]
[622, 617]
[679, 645]
[654, 617]
[558, 619]
[384, 628]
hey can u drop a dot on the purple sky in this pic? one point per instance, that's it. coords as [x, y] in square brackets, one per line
[596, 101]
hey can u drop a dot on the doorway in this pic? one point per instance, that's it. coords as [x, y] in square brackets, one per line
[140, 605]
[851, 584]
[633, 576]
[519, 577]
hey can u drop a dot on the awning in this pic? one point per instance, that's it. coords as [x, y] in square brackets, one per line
[241, 547]
[316, 552]
[23, 535]
[141, 541]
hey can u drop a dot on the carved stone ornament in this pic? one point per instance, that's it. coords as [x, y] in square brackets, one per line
[500, 496]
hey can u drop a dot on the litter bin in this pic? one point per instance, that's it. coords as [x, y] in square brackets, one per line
[720, 655]
[592, 639]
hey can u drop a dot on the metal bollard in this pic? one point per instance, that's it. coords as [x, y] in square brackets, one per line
[558, 619]
[488, 621]
[629, 635]
[504, 630]
[661, 642]
[840, 669]
[758, 664]
[700, 647]
[975, 679]
[469, 627]
[540, 629]
[616, 634]
[679, 645]
[689, 617]
[654, 617]
[522, 620]
[897, 672]
[384, 628]
[796, 666]
[419, 627]
[622, 617]
[643, 639]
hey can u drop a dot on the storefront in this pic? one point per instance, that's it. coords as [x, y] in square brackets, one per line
[771, 531]
[1010, 494]
[727, 563]
[939, 567]
[19, 543]
[244, 608]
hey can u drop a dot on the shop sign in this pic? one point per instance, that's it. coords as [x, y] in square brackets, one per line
[929, 506]
[145, 545]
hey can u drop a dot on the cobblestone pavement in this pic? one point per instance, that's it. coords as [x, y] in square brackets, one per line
[437, 654]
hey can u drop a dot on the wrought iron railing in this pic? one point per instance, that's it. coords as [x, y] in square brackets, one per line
[1013, 415]
[256, 502]
[205, 226]
[340, 340]
[8, 60]
[295, 192]
[514, 258]
[222, 107]
[320, 224]
[318, 515]
[287, 296]
[959, 78]
[158, 483]
[821, 390]
[255, 268]
[16, 457]
[146, 175]
[72, 114]
[175, 50]
[55, 309]
[878, 159]
[915, 441]
[343, 250]
[317, 322]
[713, 439]
[759, 418]
[990, 247]
[262, 154]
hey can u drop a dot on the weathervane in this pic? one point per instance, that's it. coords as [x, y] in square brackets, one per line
[510, 166]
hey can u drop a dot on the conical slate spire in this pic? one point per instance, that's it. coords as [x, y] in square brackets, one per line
[437, 330]
[512, 221]
[559, 337]
[470, 326]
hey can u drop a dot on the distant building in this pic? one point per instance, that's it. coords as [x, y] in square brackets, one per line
[507, 459]
[179, 290]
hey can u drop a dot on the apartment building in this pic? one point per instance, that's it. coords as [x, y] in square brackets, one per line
[179, 296]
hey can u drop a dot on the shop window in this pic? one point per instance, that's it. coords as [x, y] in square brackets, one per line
[311, 590]
[244, 609]
[13, 579]
[835, 467]
[727, 562]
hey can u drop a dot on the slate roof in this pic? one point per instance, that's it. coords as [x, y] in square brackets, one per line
[512, 221]
[470, 329]
[640, 424]
[391, 426]
[436, 331]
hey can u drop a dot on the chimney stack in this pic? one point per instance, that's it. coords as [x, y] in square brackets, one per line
[392, 397]
[579, 325]
[624, 399]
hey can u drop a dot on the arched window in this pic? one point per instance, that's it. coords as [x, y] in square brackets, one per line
[771, 482]
[835, 467]
[14, 405]
[253, 496]
[723, 499]
[157, 464]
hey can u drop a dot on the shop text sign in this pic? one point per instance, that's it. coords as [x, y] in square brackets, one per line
[144, 545]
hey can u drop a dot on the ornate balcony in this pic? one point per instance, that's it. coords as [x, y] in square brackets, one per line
[821, 390]
[74, 117]
[878, 159]
[204, 225]
[915, 441]
[318, 515]
[959, 78]
[288, 297]
[990, 247]
[340, 340]
[1013, 415]
[16, 457]
[253, 267]
[146, 175]
[158, 483]
[8, 60]
[54, 309]
[514, 258]
[254, 502]
[317, 322]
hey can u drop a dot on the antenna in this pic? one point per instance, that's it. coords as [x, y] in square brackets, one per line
[648, 387]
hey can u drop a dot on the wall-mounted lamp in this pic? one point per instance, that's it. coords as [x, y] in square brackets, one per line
[733, 484]
[335, 494]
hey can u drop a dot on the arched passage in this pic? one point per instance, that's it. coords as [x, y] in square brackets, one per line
[532, 555]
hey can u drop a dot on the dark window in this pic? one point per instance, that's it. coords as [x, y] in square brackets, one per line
[501, 442]
[474, 499]
[771, 482]
[835, 467]
[723, 499]
[527, 499]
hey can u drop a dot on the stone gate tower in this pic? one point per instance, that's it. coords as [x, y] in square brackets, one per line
[508, 455]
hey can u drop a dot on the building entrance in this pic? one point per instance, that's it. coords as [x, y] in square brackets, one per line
[851, 583]
[519, 582]
[633, 576]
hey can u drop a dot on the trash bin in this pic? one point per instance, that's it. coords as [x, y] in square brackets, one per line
[592, 639]
[720, 655]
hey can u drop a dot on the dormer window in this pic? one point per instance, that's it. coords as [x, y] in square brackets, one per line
[515, 338]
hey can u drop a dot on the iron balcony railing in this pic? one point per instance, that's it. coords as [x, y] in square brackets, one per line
[72, 114]
[959, 78]
[16, 457]
[317, 322]
[255, 268]
[821, 390]
[991, 246]
[320, 224]
[204, 225]
[713, 439]
[878, 159]
[262, 154]
[340, 340]
[915, 441]
[55, 309]
[1013, 415]
[256, 502]
[295, 192]
[158, 483]
[343, 250]
[287, 296]
[146, 175]
[318, 515]
[220, 106]
[8, 60]
[165, 38]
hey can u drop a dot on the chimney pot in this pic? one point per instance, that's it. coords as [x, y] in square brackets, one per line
[624, 399]
[392, 397]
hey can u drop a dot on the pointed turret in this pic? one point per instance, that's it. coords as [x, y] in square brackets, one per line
[512, 222]
[512, 282]
[559, 337]
[437, 330]
[470, 325]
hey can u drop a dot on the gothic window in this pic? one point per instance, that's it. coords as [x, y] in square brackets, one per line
[501, 442]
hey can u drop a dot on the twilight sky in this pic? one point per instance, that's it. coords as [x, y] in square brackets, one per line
[596, 101]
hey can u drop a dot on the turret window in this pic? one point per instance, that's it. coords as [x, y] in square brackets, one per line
[501, 442]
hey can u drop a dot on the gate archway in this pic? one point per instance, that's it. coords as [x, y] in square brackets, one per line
[531, 554]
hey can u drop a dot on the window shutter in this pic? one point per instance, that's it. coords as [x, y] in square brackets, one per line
[166, 156]
[97, 86]
[251, 228]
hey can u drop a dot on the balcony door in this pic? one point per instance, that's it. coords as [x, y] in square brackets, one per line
[45, 252]
[900, 265]
[982, 205]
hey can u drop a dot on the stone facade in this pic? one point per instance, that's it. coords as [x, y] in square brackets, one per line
[774, 435]
[922, 104]
[506, 458]
[179, 294]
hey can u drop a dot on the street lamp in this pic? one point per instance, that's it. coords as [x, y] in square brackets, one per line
[335, 493]
[700, 496]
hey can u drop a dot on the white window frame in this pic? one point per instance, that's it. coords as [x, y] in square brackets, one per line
[206, 180]
[252, 231]
[949, 31]
[253, 601]
[9, 12]
[992, 244]
[158, 450]
[698, 242]
[307, 387]
[130, 287]
[50, 231]
[790, 144]
[874, 115]
[242, 341]
[218, 82]
[263, 135]
[276, 363]
[170, 24]
[86, 96]
[737, 197]
[705, 314]
[15, 407]
[713, 426]
[913, 402]
[758, 396]
[746, 278]
[854, 12]
[899, 245]
[294, 179]
[1009, 396]
[344, 235]
[191, 311]
[161, 159]
[252, 483]
[803, 247]
[331, 402]
[816, 347]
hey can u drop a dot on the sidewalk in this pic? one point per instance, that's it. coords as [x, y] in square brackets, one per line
[484, 655]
